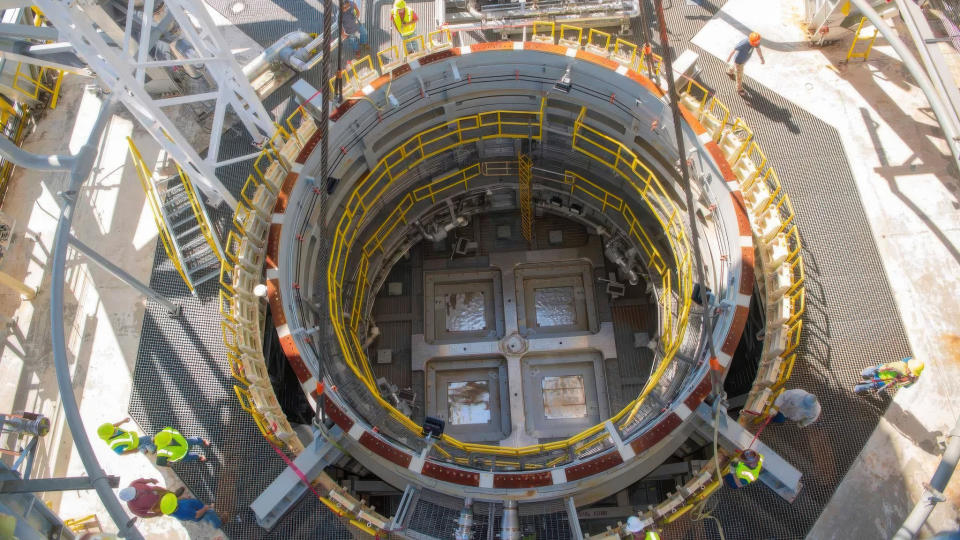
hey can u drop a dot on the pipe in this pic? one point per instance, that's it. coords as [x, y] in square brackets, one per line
[933, 492]
[124, 276]
[98, 478]
[919, 75]
[510, 528]
[465, 522]
[29, 160]
[299, 59]
[282, 47]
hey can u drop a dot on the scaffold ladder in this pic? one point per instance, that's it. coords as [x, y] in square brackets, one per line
[188, 238]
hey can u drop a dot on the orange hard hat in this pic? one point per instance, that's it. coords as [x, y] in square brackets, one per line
[754, 39]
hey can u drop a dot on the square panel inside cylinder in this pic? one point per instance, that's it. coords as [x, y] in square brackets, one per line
[564, 392]
[471, 395]
[555, 298]
[461, 307]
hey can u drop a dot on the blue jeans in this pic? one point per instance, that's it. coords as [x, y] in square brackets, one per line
[212, 518]
[355, 40]
[192, 456]
[145, 444]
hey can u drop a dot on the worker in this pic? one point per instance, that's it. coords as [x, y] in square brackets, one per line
[173, 447]
[125, 442]
[189, 510]
[405, 21]
[353, 35]
[744, 470]
[743, 50]
[143, 497]
[900, 373]
[798, 405]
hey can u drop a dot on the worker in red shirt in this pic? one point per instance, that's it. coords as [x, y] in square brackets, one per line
[143, 497]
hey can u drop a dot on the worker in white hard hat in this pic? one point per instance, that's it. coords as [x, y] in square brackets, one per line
[900, 373]
[797, 405]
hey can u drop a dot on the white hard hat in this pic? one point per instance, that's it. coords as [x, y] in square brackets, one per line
[634, 524]
[127, 494]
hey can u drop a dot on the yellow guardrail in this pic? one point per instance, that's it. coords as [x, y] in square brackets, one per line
[145, 174]
[36, 76]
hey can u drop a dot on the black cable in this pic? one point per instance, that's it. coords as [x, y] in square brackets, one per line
[685, 175]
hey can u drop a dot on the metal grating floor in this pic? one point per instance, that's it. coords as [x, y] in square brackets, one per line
[182, 379]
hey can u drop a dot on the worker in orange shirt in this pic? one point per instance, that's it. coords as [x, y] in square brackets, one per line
[405, 21]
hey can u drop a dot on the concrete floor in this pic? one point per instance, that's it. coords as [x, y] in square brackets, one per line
[901, 166]
[895, 151]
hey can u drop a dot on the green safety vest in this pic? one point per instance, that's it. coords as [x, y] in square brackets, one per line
[404, 24]
[747, 474]
[651, 535]
[177, 448]
[126, 438]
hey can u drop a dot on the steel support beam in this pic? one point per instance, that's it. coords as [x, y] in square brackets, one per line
[777, 473]
[124, 276]
[940, 110]
[71, 411]
[573, 519]
[123, 72]
[36, 485]
[933, 492]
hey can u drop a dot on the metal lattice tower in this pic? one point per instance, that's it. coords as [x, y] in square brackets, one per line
[122, 71]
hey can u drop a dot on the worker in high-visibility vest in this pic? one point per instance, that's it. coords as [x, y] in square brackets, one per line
[173, 447]
[405, 21]
[124, 442]
[744, 470]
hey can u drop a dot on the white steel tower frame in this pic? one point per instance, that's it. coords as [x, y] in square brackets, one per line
[122, 71]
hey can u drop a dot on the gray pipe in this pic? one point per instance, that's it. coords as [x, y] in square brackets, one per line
[81, 170]
[282, 47]
[510, 526]
[939, 110]
[300, 61]
[933, 492]
[29, 160]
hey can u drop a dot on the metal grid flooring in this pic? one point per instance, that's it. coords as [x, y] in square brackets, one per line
[182, 379]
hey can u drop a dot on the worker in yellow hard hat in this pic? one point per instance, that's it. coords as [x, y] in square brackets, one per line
[124, 442]
[173, 447]
[187, 509]
[900, 373]
[743, 51]
[405, 21]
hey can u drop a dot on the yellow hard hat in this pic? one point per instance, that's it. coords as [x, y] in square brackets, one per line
[162, 439]
[399, 4]
[754, 39]
[168, 503]
[916, 366]
[105, 431]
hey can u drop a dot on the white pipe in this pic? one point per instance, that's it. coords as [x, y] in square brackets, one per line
[282, 47]
[29, 160]
[919, 75]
